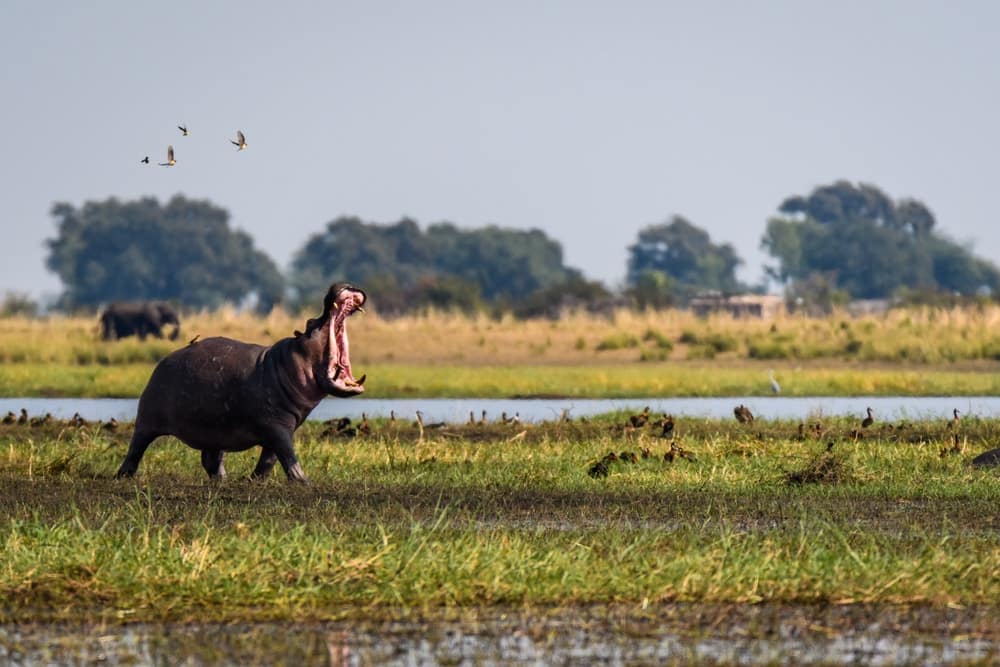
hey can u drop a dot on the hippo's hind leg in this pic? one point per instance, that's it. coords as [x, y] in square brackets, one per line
[136, 450]
[264, 465]
[211, 461]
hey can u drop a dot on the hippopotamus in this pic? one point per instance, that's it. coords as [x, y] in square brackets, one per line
[222, 395]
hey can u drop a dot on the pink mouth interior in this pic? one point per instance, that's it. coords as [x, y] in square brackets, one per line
[339, 369]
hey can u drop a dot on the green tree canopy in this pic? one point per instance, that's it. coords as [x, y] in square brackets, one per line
[684, 254]
[868, 245]
[184, 251]
[496, 263]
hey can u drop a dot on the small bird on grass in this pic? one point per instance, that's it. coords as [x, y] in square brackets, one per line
[41, 421]
[601, 468]
[743, 414]
[677, 451]
[420, 422]
[667, 426]
[640, 419]
[958, 446]
[515, 419]
[869, 420]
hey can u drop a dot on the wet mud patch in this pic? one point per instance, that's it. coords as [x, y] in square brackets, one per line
[667, 634]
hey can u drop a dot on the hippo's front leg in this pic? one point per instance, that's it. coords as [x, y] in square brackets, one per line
[280, 444]
[264, 465]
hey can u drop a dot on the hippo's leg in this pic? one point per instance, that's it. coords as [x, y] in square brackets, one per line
[211, 461]
[136, 449]
[264, 464]
[280, 443]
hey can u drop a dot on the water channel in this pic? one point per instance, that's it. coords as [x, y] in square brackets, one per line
[675, 634]
[456, 410]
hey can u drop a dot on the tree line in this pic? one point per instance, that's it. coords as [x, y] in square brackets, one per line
[840, 241]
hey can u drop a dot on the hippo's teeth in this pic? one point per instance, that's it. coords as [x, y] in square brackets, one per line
[361, 380]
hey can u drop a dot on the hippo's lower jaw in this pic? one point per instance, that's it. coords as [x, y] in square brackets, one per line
[344, 387]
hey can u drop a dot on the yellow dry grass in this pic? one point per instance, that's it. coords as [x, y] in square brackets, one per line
[909, 336]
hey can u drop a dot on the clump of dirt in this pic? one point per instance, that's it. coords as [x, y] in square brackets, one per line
[824, 468]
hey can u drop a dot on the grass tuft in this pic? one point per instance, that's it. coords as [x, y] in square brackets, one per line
[824, 468]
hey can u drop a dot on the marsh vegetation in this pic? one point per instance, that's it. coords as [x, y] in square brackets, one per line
[501, 514]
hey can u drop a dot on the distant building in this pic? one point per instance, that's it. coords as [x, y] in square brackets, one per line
[860, 307]
[765, 306]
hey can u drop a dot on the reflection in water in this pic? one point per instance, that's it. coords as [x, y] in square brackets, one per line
[456, 410]
[747, 635]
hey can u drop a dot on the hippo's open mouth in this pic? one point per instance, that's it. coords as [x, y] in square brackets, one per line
[339, 372]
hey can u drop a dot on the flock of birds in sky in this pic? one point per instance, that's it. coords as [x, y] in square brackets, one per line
[240, 143]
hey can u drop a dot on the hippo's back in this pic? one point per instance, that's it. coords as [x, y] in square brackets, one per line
[205, 386]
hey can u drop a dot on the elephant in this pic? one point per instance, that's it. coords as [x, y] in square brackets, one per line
[141, 319]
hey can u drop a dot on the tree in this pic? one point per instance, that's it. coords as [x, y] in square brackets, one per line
[184, 251]
[653, 289]
[556, 300]
[815, 294]
[493, 263]
[868, 245]
[684, 253]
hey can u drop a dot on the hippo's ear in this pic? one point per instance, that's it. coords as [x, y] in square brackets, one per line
[312, 325]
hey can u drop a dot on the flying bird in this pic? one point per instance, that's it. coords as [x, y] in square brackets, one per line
[183, 129]
[241, 141]
[145, 160]
[170, 158]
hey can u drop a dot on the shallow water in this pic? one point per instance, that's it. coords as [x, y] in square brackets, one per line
[693, 634]
[456, 410]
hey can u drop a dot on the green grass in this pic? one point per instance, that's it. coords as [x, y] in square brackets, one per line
[653, 378]
[497, 515]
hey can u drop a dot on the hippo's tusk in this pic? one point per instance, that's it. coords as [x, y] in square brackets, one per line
[360, 309]
[335, 306]
[361, 380]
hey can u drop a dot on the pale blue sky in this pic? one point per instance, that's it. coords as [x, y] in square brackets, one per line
[589, 120]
